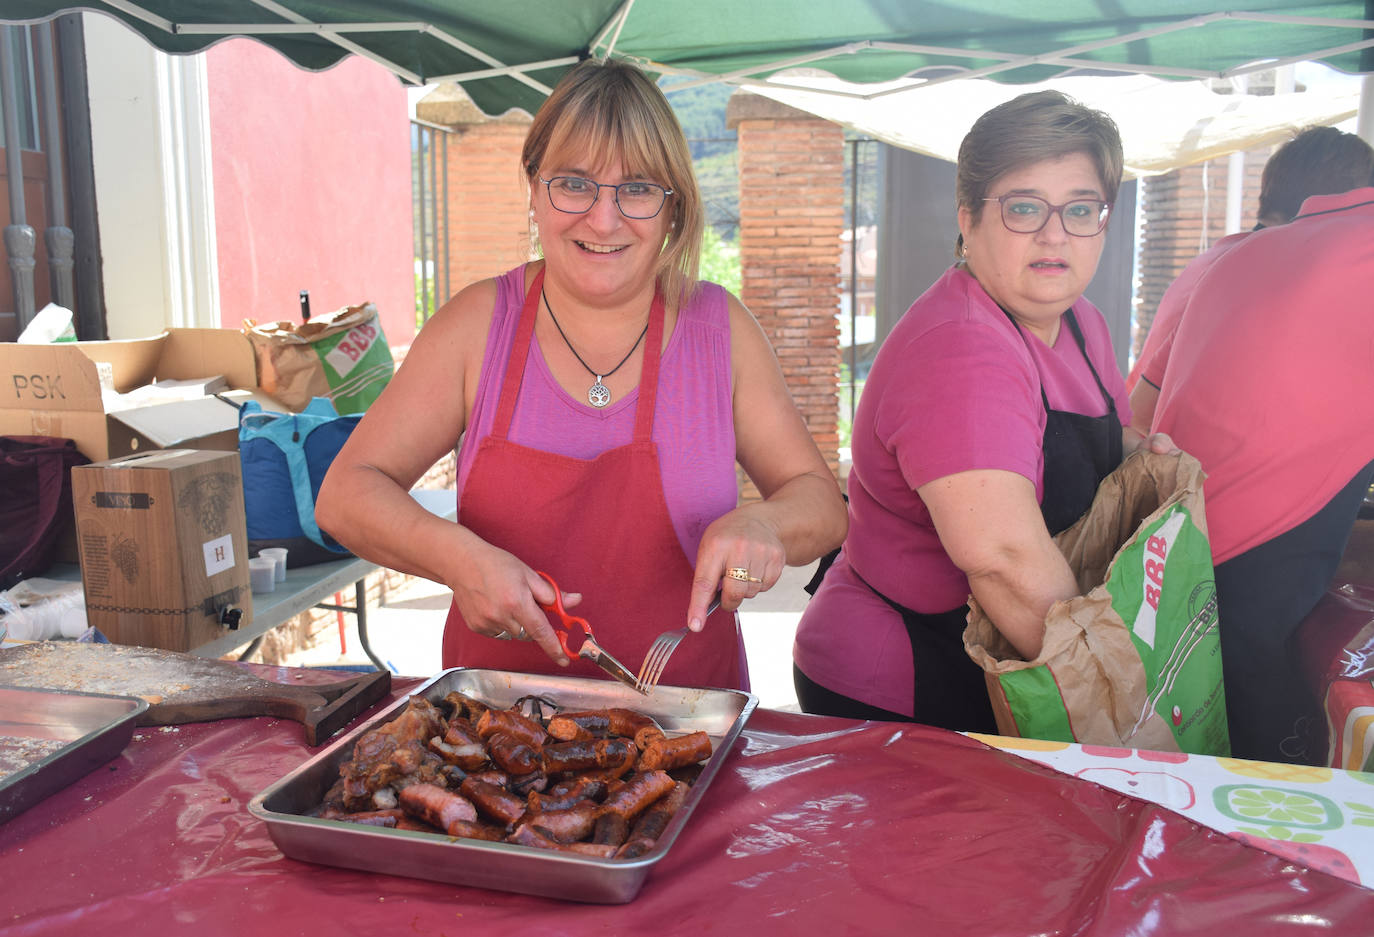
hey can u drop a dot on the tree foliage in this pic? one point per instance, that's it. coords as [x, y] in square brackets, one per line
[720, 261]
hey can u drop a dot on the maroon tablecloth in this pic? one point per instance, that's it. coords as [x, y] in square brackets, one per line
[814, 826]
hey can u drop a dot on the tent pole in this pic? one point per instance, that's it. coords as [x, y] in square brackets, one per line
[1364, 123]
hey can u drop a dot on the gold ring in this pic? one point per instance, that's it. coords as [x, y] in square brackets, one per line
[740, 574]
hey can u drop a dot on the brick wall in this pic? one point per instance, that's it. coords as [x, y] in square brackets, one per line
[488, 204]
[1184, 213]
[791, 204]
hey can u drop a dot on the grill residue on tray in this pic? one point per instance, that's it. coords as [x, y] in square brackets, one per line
[18, 753]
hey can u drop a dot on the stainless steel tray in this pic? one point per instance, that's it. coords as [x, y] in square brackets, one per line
[92, 729]
[721, 714]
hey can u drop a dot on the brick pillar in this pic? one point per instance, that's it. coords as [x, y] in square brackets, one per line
[1184, 213]
[791, 207]
[488, 205]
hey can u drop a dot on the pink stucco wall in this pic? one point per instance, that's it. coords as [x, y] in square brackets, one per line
[312, 187]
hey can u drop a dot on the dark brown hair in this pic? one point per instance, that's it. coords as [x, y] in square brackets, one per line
[1317, 161]
[1029, 129]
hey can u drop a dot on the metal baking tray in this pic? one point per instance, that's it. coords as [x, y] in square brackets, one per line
[91, 729]
[721, 714]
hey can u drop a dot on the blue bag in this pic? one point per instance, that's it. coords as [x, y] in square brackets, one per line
[284, 457]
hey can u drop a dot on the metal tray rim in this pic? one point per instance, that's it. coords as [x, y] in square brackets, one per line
[30, 785]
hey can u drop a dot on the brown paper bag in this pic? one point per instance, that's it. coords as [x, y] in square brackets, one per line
[1135, 660]
[342, 356]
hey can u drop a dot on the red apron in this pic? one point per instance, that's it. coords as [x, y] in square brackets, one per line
[600, 527]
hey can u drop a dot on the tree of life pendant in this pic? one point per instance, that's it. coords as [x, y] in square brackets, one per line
[598, 395]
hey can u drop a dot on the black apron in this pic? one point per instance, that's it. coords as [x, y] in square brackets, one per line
[1079, 451]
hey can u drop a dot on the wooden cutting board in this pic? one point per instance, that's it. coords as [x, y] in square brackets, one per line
[181, 688]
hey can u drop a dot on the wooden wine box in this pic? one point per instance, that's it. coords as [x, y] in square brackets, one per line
[164, 547]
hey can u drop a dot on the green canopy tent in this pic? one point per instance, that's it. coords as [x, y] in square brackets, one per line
[508, 54]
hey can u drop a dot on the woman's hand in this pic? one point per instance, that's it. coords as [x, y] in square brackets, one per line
[499, 596]
[739, 540]
[802, 515]
[1133, 439]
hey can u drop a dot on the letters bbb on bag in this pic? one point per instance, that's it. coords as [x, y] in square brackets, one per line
[343, 356]
[284, 457]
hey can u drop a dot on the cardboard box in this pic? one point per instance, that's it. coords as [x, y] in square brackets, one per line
[164, 546]
[55, 390]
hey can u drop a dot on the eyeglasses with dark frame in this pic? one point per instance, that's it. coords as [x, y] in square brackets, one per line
[1027, 214]
[574, 195]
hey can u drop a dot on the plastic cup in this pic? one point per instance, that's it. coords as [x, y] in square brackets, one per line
[262, 572]
[278, 555]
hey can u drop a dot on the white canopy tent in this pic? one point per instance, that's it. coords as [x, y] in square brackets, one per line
[1164, 124]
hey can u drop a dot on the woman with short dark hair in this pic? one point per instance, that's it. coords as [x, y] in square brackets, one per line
[990, 415]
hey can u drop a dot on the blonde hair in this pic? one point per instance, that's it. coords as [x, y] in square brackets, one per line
[610, 111]
[1028, 129]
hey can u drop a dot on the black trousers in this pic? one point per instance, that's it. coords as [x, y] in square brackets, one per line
[1262, 597]
[816, 699]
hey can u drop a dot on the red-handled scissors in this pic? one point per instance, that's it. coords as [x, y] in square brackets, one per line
[589, 649]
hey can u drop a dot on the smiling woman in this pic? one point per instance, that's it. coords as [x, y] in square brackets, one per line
[984, 429]
[603, 396]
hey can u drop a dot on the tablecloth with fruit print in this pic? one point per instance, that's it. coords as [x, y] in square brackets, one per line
[1322, 818]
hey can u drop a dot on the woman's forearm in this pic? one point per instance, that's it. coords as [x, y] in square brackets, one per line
[377, 519]
[1017, 594]
[806, 515]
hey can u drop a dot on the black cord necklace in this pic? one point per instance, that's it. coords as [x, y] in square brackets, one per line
[598, 395]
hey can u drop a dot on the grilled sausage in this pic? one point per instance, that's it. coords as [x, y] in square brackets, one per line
[526, 835]
[579, 725]
[566, 826]
[476, 829]
[647, 736]
[496, 802]
[465, 707]
[509, 722]
[513, 755]
[611, 829]
[651, 824]
[523, 784]
[626, 722]
[565, 796]
[666, 754]
[436, 806]
[419, 826]
[636, 794]
[492, 776]
[614, 772]
[586, 754]
[469, 757]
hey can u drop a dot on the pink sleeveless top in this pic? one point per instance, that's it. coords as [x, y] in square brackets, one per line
[693, 423]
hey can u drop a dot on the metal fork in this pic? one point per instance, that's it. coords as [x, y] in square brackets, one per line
[662, 649]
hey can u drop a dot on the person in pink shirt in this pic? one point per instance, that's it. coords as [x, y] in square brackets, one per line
[603, 397]
[1270, 384]
[1316, 161]
[992, 412]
